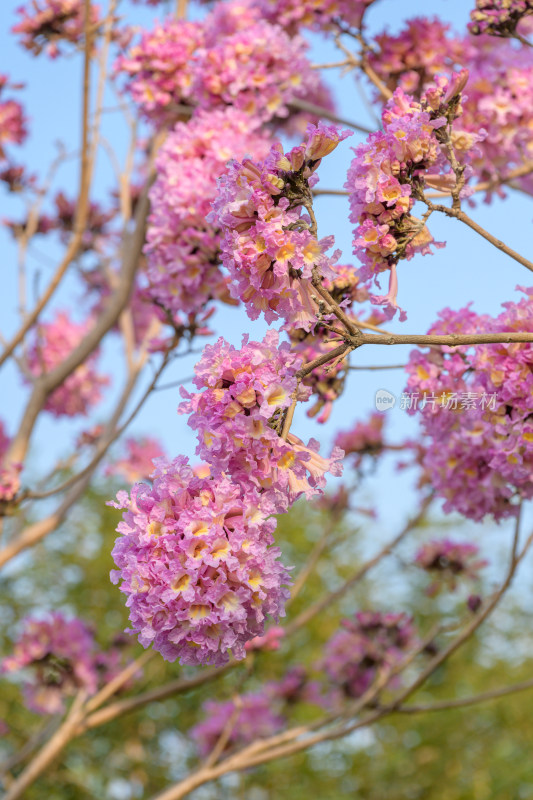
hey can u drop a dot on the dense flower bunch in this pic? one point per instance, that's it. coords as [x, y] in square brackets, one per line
[500, 102]
[233, 57]
[498, 99]
[196, 562]
[413, 58]
[182, 247]
[322, 16]
[239, 417]
[252, 715]
[475, 406]
[259, 69]
[12, 120]
[137, 462]
[389, 171]
[447, 561]
[59, 653]
[159, 69]
[364, 439]
[46, 23]
[9, 473]
[498, 17]
[367, 644]
[270, 247]
[53, 343]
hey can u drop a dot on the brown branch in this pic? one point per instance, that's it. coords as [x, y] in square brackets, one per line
[319, 605]
[464, 702]
[49, 752]
[82, 206]
[462, 217]
[302, 105]
[130, 704]
[46, 384]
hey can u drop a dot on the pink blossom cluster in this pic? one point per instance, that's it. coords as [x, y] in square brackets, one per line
[500, 102]
[239, 417]
[366, 645]
[233, 57]
[53, 342]
[322, 16]
[252, 715]
[12, 120]
[45, 24]
[447, 561]
[364, 439]
[498, 98]
[477, 413]
[259, 69]
[182, 246]
[270, 247]
[59, 653]
[136, 464]
[412, 59]
[159, 70]
[498, 17]
[384, 175]
[9, 472]
[196, 560]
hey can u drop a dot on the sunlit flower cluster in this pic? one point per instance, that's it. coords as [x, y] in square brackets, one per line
[12, 120]
[239, 417]
[159, 68]
[182, 247]
[498, 17]
[477, 413]
[270, 246]
[45, 24]
[196, 561]
[320, 16]
[136, 463]
[387, 174]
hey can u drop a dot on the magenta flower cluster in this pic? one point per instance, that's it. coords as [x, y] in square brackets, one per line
[182, 246]
[270, 247]
[233, 57]
[252, 715]
[197, 563]
[447, 561]
[477, 413]
[498, 97]
[136, 463]
[366, 645]
[12, 120]
[45, 24]
[296, 14]
[53, 343]
[498, 17]
[239, 418]
[59, 653]
[364, 439]
[381, 181]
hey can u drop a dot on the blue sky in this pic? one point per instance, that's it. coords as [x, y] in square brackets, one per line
[468, 269]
